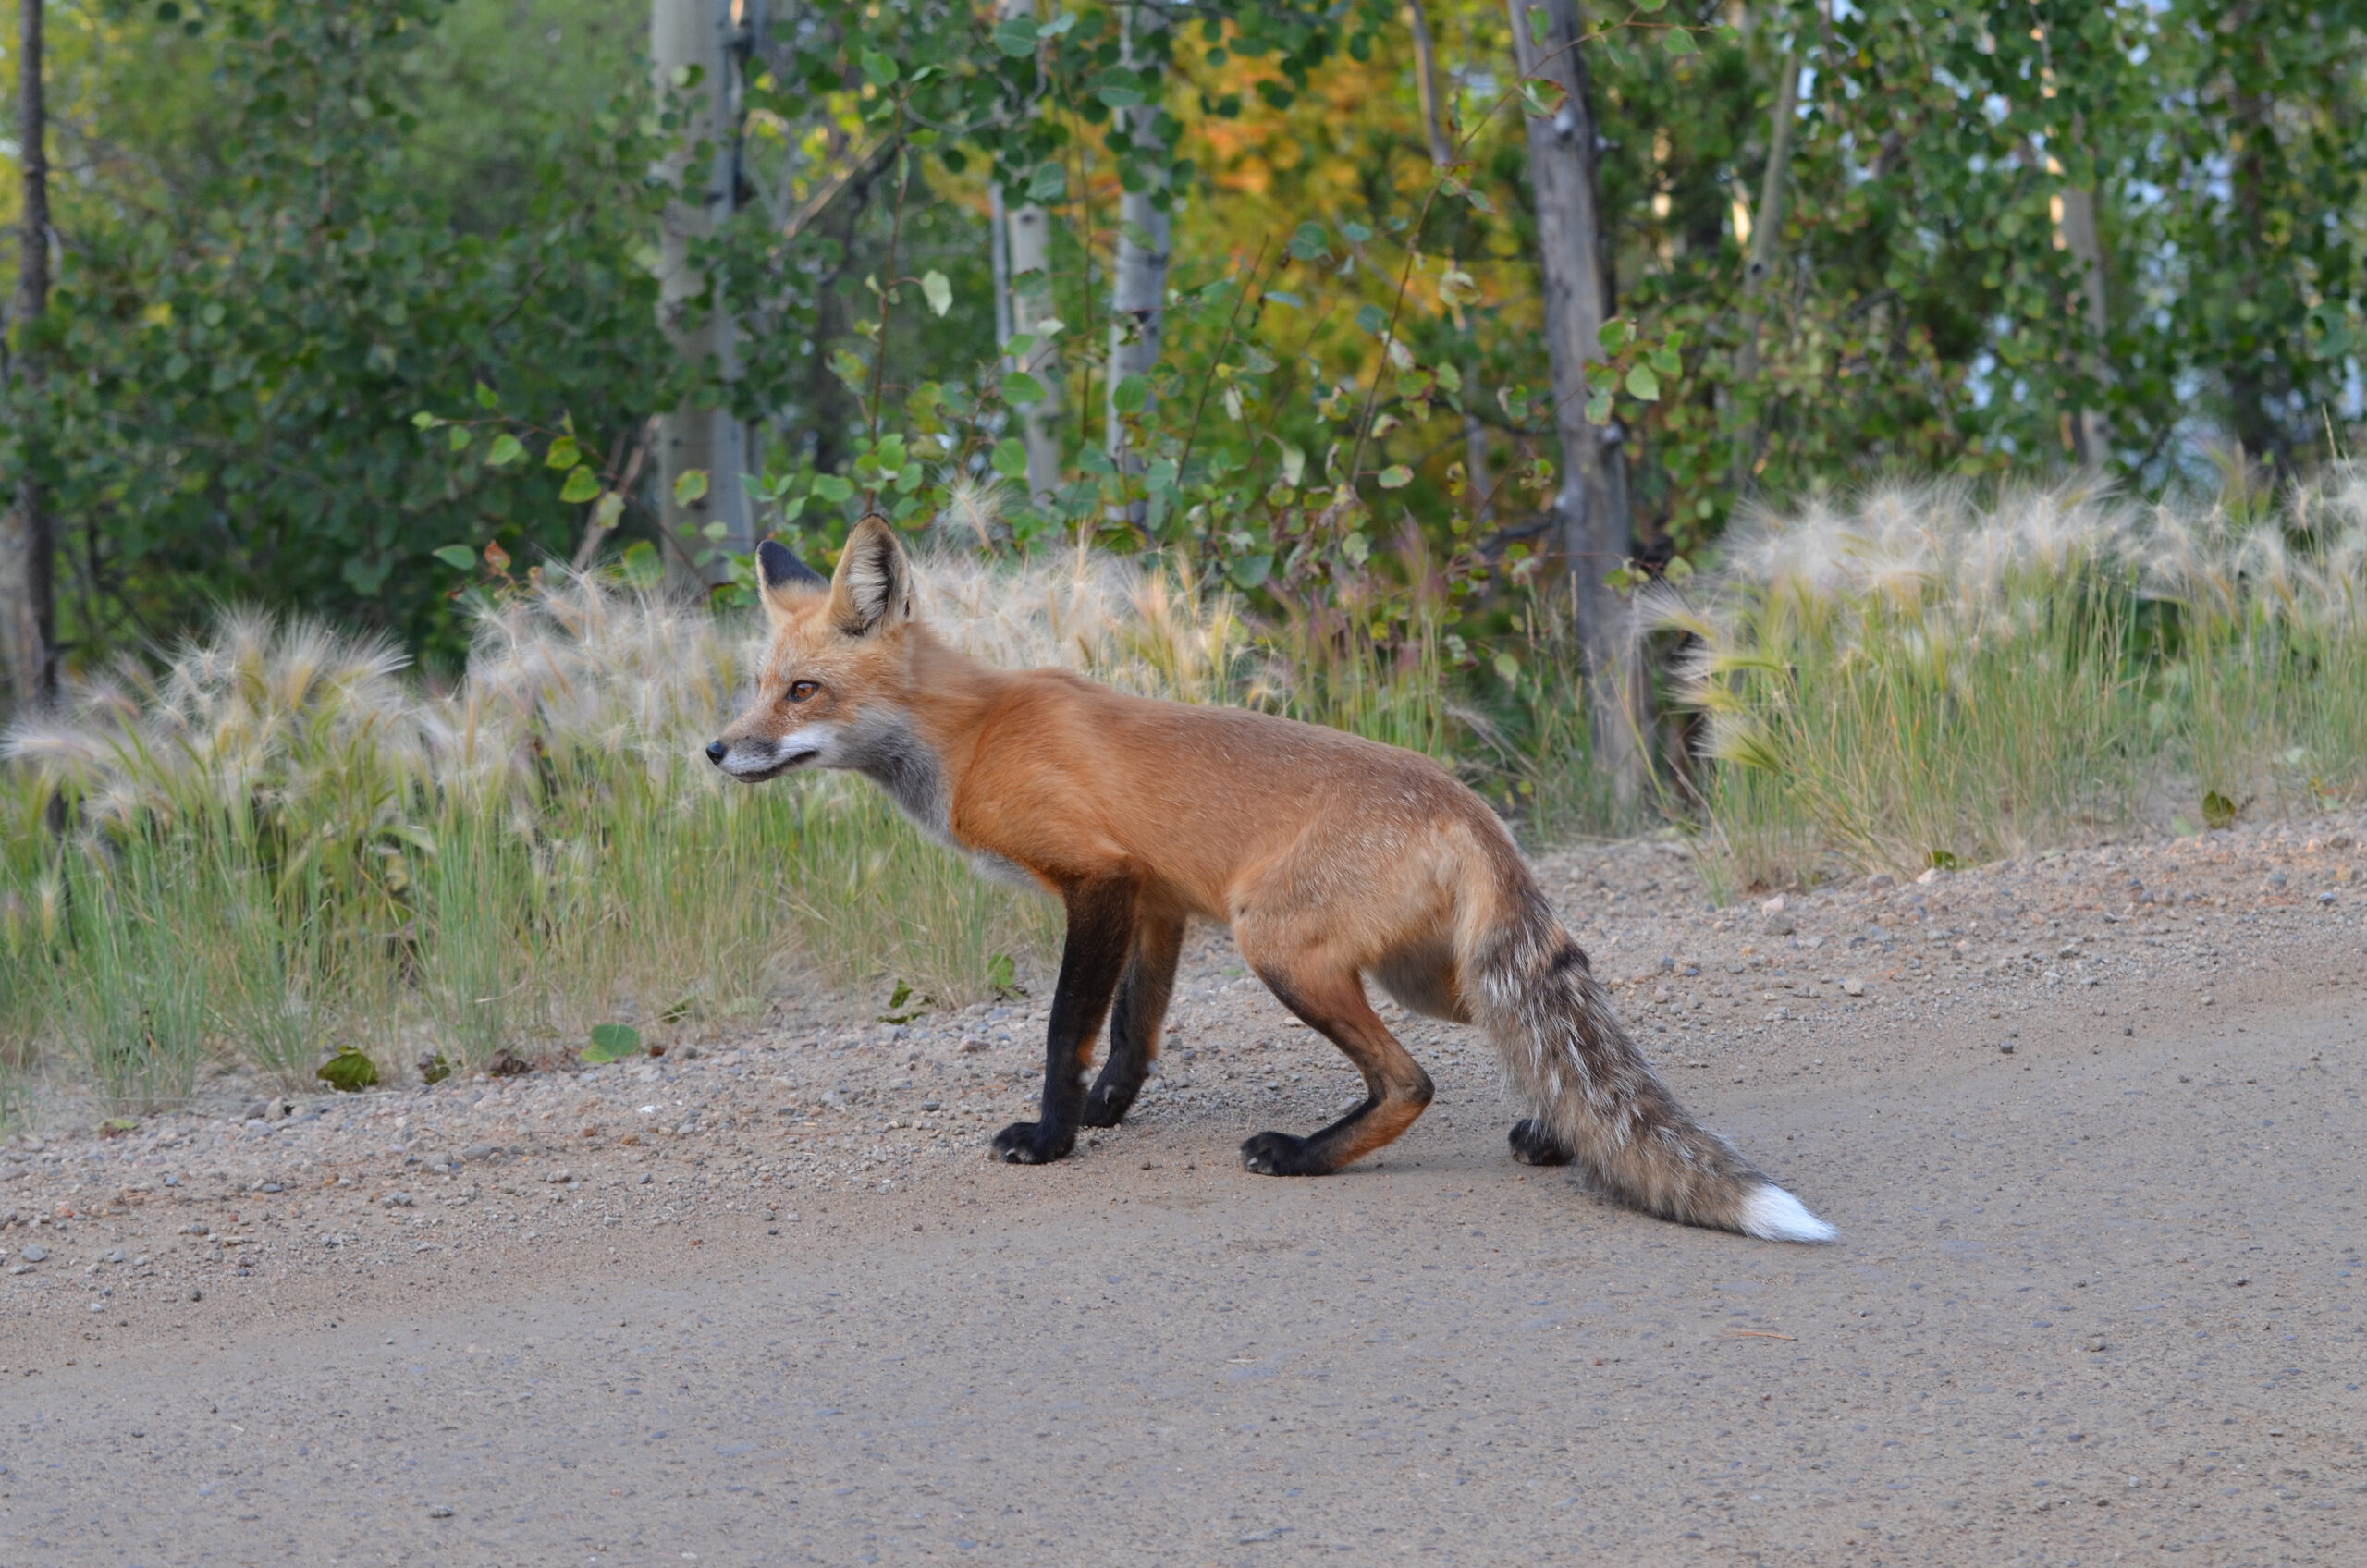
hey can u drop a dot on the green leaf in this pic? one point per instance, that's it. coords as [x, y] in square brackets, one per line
[488, 397]
[690, 486]
[563, 453]
[1130, 395]
[1396, 476]
[879, 69]
[507, 450]
[582, 485]
[1049, 183]
[1646, 8]
[1119, 88]
[1507, 669]
[642, 567]
[1019, 389]
[1642, 383]
[1015, 36]
[1002, 976]
[611, 508]
[1615, 334]
[612, 1041]
[1677, 43]
[830, 487]
[459, 557]
[938, 290]
[458, 439]
[425, 421]
[349, 1072]
[1310, 243]
[1010, 458]
[1249, 571]
[1598, 409]
[2218, 811]
[1294, 464]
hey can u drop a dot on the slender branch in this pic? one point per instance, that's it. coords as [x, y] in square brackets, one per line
[1232, 323]
[879, 342]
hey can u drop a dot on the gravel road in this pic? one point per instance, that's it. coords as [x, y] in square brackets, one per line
[2094, 1298]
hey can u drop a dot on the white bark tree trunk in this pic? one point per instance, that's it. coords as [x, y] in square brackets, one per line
[1139, 295]
[1023, 235]
[2076, 232]
[1591, 506]
[684, 34]
[1766, 229]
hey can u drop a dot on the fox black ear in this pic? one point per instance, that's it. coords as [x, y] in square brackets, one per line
[874, 585]
[782, 570]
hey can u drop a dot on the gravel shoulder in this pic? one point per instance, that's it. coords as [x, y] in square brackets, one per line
[770, 1303]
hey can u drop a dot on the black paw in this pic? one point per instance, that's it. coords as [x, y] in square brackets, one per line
[1532, 1144]
[1106, 1106]
[1278, 1154]
[1028, 1142]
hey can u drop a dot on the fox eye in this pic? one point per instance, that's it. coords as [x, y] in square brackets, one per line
[801, 690]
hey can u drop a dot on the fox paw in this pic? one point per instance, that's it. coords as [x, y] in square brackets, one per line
[1532, 1144]
[1278, 1154]
[1028, 1142]
[1105, 1106]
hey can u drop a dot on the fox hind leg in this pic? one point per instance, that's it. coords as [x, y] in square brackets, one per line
[1332, 1001]
[1534, 1145]
[1134, 1019]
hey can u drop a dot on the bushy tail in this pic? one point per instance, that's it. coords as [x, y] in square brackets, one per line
[1596, 1099]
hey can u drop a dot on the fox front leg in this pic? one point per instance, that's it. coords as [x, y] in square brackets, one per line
[1100, 941]
[1134, 1019]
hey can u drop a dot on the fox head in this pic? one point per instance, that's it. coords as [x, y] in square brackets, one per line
[829, 694]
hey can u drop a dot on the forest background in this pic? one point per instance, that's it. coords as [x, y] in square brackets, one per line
[1861, 434]
[1830, 243]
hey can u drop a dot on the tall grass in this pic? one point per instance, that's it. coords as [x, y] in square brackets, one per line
[274, 846]
[1927, 679]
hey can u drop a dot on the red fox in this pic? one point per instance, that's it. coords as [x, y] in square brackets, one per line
[1332, 859]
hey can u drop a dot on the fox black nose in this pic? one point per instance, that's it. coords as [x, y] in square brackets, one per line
[716, 751]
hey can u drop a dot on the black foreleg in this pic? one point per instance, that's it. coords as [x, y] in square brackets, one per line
[1134, 1019]
[1100, 940]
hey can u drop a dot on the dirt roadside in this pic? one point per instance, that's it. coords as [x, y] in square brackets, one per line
[2094, 1298]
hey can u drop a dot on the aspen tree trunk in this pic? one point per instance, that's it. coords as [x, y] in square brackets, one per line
[1138, 293]
[700, 35]
[1024, 233]
[27, 600]
[1591, 506]
[2076, 231]
[1426, 67]
[1767, 225]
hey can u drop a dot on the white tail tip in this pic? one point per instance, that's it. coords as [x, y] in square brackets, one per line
[1773, 1215]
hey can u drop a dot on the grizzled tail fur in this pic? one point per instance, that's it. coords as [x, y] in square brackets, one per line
[1595, 1097]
